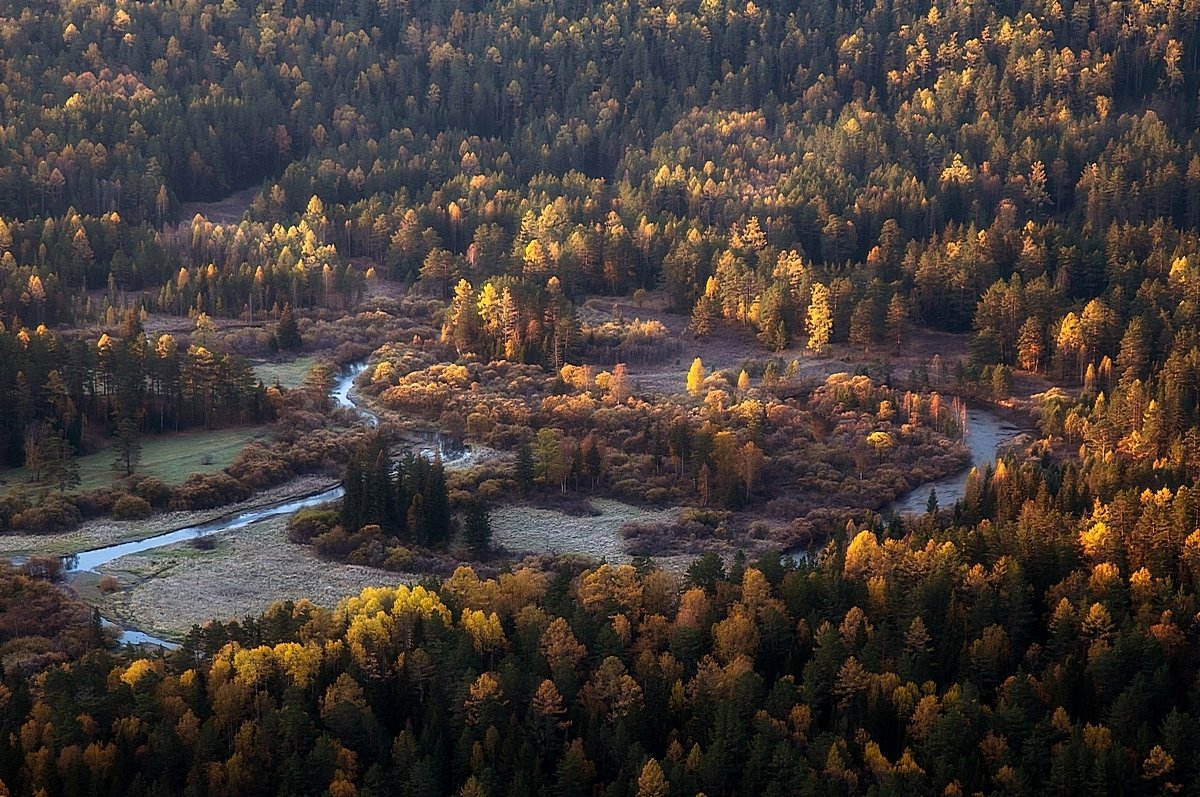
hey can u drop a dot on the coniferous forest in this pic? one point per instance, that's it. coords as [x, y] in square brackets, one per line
[866, 214]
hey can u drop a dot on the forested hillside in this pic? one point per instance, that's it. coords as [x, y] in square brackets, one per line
[474, 193]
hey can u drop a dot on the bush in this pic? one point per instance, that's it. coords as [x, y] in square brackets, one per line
[398, 559]
[130, 507]
[309, 523]
[108, 584]
[208, 490]
[54, 513]
[257, 466]
[333, 544]
[97, 502]
[47, 568]
[153, 491]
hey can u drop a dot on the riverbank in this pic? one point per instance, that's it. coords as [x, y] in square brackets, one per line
[101, 532]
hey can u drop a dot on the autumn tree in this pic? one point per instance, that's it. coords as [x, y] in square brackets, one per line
[819, 322]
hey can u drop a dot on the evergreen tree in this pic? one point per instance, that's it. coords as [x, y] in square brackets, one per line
[524, 468]
[477, 528]
[128, 447]
[60, 469]
[287, 332]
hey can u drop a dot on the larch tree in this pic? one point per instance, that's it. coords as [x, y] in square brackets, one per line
[819, 322]
[695, 378]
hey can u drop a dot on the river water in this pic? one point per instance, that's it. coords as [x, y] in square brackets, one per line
[986, 434]
[90, 561]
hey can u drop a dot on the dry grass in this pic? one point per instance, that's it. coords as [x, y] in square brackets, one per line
[248, 570]
[730, 345]
[524, 529]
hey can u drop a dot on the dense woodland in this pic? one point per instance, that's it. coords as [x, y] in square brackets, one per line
[1041, 640]
[818, 174]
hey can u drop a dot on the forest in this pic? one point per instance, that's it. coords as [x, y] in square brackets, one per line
[743, 262]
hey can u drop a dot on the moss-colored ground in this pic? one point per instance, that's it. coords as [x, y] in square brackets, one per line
[171, 458]
[289, 375]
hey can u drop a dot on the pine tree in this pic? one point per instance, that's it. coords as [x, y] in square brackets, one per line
[523, 470]
[286, 332]
[61, 469]
[352, 498]
[437, 506]
[862, 324]
[1030, 348]
[128, 448]
[897, 320]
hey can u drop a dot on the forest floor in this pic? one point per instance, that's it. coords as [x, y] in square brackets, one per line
[167, 590]
[171, 458]
[99, 532]
[730, 346]
[222, 211]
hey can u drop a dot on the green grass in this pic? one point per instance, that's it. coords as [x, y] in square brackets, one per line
[289, 375]
[171, 458]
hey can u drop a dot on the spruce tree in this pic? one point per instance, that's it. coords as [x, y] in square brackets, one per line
[477, 528]
[523, 471]
[287, 333]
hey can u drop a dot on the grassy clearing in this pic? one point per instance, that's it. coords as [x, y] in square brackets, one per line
[171, 458]
[166, 590]
[524, 529]
[289, 375]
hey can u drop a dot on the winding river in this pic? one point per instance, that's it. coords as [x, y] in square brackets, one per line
[986, 434]
[435, 444]
[92, 560]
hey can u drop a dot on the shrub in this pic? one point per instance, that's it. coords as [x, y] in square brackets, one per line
[398, 558]
[131, 507]
[54, 513]
[47, 568]
[309, 523]
[333, 544]
[208, 490]
[108, 584]
[153, 491]
[257, 466]
[97, 502]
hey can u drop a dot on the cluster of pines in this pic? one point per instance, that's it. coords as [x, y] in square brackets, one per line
[407, 500]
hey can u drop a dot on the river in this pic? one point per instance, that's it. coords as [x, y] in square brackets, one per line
[92, 560]
[986, 434]
[435, 444]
